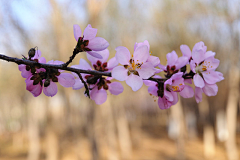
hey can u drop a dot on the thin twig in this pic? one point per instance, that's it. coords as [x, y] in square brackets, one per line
[85, 84]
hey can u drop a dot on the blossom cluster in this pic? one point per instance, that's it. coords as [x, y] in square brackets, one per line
[136, 69]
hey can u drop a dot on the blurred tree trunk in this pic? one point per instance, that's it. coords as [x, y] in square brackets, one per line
[110, 129]
[33, 129]
[123, 133]
[178, 117]
[231, 113]
[208, 130]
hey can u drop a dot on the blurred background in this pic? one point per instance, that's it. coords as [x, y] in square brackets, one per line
[130, 126]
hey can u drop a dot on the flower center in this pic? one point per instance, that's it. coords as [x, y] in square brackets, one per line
[133, 66]
[82, 45]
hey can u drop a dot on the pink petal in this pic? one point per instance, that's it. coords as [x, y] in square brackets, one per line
[198, 53]
[142, 43]
[24, 72]
[83, 64]
[198, 81]
[104, 54]
[177, 76]
[98, 44]
[94, 54]
[172, 58]
[141, 54]
[154, 60]
[193, 66]
[211, 63]
[198, 94]
[120, 73]
[78, 84]
[153, 90]
[187, 92]
[186, 51]
[66, 79]
[134, 81]
[146, 70]
[168, 95]
[175, 98]
[163, 103]
[42, 60]
[77, 31]
[210, 89]
[212, 77]
[115, 88]
[36, 90]
[182, 61]
[99, 96]
[37, 55]
[209, 54]
[89, 32]
[122, 55]
[188, 81]
[51, 90]
[112, 63]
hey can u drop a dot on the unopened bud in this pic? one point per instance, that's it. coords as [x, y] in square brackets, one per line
[46, 83]
[31, 52]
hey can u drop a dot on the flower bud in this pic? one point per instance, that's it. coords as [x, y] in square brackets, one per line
[46, 83]
[31, 52]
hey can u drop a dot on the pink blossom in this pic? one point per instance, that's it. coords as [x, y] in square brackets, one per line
[89, 42]
[203, 64]
[174, 63]
[45, 80]
[134, 67]
[98, 85]
[208, 89]
[27, 71]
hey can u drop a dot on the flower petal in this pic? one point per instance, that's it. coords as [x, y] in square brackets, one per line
[187, 92]
[134, 81]
[37, 55]
[36, 90]
[210, 89]
[168, 95]
[115, 88]
[211, 63]
[141, 44]
[94, 54]
[122, 55]
[141, 54]
[172, 58]
[198, 94]
[209, 54]
[104, 54]
[51, 90]
[198, 53]
[66, 79]
[198, 81]
[120, 73]
[24, 72]
[78, 84]
[97, 44]
[153, 90]
[186, 51]
[112, 63]
[99, 96]
[163, 103]
[89, 32]
[77, 31]
[212, 77]
[154, 60]
[182, 61]
[146, 70]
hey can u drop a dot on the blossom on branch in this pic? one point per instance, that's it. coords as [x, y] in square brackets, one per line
[98, 84]
[134, 67]
[89, 42]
